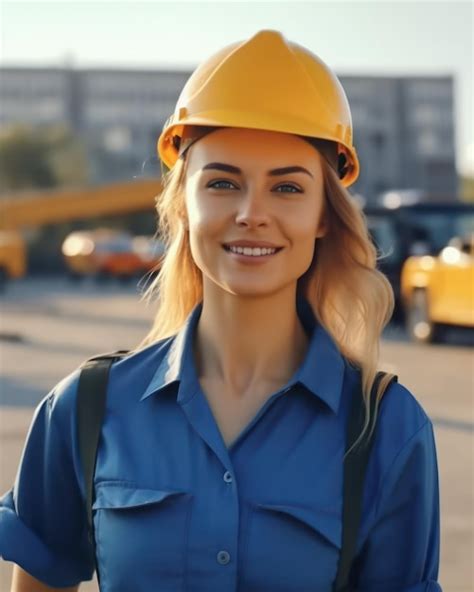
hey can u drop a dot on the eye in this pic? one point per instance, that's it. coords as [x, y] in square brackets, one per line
[215, 184]
[221, 184]
[292, 187]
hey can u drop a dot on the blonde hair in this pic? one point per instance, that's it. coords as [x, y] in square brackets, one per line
[349, 296]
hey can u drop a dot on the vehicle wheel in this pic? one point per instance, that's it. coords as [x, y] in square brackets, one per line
[419, 326]
[102, 277]
[125, 278]
[74, 277]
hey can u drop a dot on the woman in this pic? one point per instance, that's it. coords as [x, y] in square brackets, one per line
[220, 465]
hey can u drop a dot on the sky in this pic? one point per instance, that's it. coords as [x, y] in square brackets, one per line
[373, 37]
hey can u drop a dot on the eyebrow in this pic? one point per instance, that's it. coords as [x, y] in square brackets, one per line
[229, 168]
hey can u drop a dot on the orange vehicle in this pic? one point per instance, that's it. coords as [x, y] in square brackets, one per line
[104, 253]
[439, 290]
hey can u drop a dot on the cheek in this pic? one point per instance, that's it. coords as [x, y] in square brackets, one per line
[204, 230]
[203, 215]
[303, 253]
[302, 229]
[205, 234]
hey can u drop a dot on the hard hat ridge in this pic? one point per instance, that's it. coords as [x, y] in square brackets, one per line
[264, 83]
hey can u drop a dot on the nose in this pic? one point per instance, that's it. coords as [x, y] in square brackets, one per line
[252, 210]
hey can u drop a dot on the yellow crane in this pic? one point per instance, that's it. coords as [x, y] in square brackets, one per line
[33, 209]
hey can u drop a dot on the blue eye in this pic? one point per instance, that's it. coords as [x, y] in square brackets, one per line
[295, 189]
[218, 185]
[214, 184]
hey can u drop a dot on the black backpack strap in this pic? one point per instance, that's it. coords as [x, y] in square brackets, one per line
[355, 465]
[91, 399]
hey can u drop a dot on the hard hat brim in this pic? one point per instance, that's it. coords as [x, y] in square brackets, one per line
[169, 154]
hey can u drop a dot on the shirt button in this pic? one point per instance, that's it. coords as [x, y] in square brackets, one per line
[223, 557]
[227, 477]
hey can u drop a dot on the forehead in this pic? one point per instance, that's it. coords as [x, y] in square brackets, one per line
[251, 146]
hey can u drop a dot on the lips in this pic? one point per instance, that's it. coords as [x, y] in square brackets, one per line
[252, 245]
[228, 249]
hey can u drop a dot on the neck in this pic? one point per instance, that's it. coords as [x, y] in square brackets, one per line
[246, 344]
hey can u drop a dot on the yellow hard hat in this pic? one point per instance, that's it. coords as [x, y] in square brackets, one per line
[265, 83]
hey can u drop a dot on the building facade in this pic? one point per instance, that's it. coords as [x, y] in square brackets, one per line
[403, 126]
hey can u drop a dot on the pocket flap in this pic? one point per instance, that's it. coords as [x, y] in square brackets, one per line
[326, 524]
[121, 496]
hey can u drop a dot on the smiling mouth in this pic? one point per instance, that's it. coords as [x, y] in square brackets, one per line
[248, 251]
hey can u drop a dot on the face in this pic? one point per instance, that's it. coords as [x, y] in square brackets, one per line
[248, 196]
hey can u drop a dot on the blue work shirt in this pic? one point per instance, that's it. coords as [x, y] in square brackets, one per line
[177, 510]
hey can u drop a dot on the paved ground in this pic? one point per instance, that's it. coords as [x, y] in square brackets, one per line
[50, 327]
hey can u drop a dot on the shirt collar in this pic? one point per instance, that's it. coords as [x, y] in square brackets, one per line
[321, 372]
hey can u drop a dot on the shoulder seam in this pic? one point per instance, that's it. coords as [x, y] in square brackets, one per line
[57, 425]
[394, 460]
[68, 449]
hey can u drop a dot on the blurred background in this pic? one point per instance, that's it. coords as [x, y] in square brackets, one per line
[85, 88]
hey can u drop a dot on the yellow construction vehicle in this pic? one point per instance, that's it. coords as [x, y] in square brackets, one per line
[34, 209]
[438, 291]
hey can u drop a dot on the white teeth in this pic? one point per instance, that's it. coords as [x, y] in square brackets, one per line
[256, 252]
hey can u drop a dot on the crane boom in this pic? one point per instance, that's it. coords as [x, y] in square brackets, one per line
[37, 208]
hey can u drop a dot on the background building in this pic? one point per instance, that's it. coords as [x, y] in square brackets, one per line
[403, 126]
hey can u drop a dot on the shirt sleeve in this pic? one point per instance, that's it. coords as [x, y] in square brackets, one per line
[42, 517]
[401, 553]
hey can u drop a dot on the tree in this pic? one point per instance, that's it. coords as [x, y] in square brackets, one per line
[23, 160]
[40, 157]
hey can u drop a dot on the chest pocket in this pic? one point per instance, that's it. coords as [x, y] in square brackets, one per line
[293, 547]
[141, 531]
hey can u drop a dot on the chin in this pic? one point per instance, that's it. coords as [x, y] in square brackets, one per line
[248, 290]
